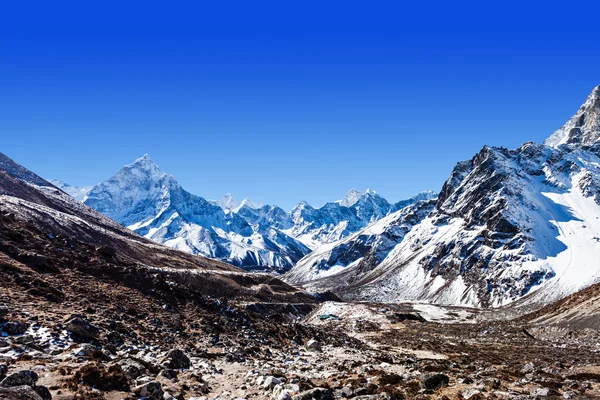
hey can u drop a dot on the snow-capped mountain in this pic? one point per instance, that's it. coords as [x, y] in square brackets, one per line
[506, 224]
[78, 193]
[152, 203]
[337, 220]
[229, 203]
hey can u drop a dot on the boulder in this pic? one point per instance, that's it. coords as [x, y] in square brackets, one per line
[19, 393]
[82, 328]
[178, 360]
[150, 391]
[313, 345]
[270, 382]
[15, 327]
[434, 381]
[132, 368]
[86, 351]
[21, 378]
[315, 394]
[43, 392]
[471, 394]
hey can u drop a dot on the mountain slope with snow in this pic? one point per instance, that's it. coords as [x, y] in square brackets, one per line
[506, 224]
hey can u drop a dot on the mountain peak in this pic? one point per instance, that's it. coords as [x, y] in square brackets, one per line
[583, 128]
[351, 197]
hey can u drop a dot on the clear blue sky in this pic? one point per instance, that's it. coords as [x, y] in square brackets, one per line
[286, 101]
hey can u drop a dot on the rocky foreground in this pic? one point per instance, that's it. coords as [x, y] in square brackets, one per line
[114, 342]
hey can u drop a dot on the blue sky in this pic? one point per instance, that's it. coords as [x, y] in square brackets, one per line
[283, 102]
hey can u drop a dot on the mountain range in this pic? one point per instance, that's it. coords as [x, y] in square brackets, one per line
[249, 235]
[506, 225]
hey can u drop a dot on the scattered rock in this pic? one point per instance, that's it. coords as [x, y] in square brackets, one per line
[544, 392]
[471, 394]
[86, 351]
[270, 382]
[82, 328]
[43, 392]
[151, 391]
[434, 381]
[15, 327]
[21, 378]
[178, 360]
[19, 393]
[313, 345]
[315, 394]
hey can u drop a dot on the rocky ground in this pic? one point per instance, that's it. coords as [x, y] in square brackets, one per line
[121, 344]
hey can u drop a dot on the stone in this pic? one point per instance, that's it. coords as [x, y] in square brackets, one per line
[315, 394]
[544, 392]
[169, 373]
[25, 339]
[15, 327]
[434, 381]
[19, 393]
[82, 328]
[345, 392]
[151, 391]
[21, 378]
[471, 394]
[86, 351]
[43, 392]
[379, 396]
[270, 382]
[313, 345]
[3, 371]
[132, 368]
[178, 360]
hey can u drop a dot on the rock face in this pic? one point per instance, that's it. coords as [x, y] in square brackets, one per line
[506, 224]
[583, 128]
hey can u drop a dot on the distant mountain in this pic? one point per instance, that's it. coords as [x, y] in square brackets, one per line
[334, 221]
[229, 203]
[78, 193]
[153, 204]
[506, 224]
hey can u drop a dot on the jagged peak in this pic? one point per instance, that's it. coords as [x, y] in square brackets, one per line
[583, 128]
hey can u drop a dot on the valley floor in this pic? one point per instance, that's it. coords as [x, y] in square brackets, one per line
[261, 351]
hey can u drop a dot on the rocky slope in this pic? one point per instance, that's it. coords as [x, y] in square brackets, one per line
[506, 224]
